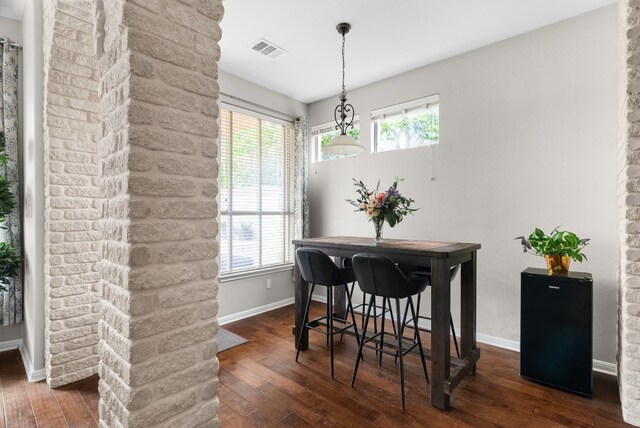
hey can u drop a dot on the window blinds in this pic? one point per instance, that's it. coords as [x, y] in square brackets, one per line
[330, 127]
[256, 192]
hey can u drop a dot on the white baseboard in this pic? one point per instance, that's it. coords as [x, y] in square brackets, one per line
[319, 298]
[605, 367]
[32, 375]
[499, 342]
[10, 344]
[254, 311]
[512, 345]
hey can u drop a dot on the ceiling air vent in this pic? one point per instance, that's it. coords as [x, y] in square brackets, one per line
[267, 49]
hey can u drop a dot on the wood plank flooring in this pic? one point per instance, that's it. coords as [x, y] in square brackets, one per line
[25, 404]
[261, 385]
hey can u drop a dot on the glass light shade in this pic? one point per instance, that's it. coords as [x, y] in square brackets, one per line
[343, 145]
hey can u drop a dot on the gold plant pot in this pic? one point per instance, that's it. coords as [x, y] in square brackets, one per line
[557, 264]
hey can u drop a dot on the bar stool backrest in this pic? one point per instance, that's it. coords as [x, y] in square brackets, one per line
[380, 276]
[316, 267]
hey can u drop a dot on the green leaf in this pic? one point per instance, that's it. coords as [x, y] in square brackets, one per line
[559, 242]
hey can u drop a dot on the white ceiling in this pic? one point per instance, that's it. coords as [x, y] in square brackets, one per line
[387, 37]
[12, 9]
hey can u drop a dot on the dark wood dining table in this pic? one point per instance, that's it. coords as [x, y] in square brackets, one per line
[446, 371]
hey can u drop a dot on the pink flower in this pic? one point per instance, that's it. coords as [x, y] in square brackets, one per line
[381, 196]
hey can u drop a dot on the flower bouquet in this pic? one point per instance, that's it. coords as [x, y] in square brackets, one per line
[389, 206]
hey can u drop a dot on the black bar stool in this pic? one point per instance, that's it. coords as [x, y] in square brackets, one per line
[426, 273]
[378, 311]
[379, 276]
[318, 269]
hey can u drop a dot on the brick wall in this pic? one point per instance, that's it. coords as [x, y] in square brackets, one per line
[158, 103]
[629, 210]
[72, 194]
[130, 185]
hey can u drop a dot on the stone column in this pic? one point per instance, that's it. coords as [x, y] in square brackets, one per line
[629, 210]
[158, 105]
[72, 193]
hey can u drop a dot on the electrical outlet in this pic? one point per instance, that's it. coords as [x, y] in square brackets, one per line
[268, 284]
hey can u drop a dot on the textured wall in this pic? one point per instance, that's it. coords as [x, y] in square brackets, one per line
[629, 210]
[158, 103]
[511, 115]
[72, 194]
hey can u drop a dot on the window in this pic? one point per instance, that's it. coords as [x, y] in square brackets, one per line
[324, 133]
[407, 125]
[256, 192]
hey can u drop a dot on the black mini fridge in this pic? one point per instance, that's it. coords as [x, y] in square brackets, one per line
[556, 329]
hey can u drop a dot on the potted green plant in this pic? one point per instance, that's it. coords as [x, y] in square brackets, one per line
[558, 248]
[10, 261]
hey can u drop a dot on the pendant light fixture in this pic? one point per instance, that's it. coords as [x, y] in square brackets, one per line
[343, 114]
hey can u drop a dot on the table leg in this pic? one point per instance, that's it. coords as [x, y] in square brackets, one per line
[301, 294]
[468, 308]
[440, 339]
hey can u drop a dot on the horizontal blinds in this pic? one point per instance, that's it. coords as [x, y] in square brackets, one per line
[323, 128]
[256, 188]
[425, 103]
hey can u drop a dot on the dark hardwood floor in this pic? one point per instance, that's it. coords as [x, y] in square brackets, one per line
[27, 404]
[261, 385]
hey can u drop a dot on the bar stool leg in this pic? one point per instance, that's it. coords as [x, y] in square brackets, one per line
[404, 322]
[330, 324]
[303, 322]
[353, 318]
[375, 317]
[364, 304]
[364, 329]
[417, 332]
[384, 310]
[393, 324]
[415, 324]
[400, 354]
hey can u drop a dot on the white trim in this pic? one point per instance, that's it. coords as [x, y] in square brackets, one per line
[228, 104]
[319, 298]
[10, 344]
[605, 367]
[254, 311]
[32, 375]
[499, 342]
[401, 108]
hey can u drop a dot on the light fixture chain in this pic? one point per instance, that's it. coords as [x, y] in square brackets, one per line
[344, 91]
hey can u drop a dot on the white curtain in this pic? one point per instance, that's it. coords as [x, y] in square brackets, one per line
[301, 135]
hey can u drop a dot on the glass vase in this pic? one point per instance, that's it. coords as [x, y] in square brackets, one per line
[377, 225]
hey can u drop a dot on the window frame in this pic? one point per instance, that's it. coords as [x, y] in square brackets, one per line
[288, 214]
[323, 128]
[401, 109]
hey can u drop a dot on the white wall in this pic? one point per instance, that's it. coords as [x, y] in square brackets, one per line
[12, 29]
[33, 166]
[247, 294]
[528, 138]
